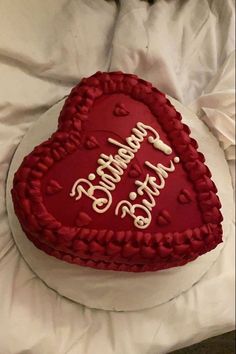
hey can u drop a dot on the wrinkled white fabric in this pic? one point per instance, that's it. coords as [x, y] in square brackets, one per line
[185, 48]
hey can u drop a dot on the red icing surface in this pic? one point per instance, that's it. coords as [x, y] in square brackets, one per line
[185, 218]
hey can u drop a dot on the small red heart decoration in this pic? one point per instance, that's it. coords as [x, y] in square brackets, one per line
[129, 250]
[132, 195]
[164, 251]
[95, 247]
[113, 249]
[53, 187]
[120, 110]
[80, 246]
[135, 171]
[83, 219]
[184, 197]
[91, 143]
[163, 218]
[148, 252]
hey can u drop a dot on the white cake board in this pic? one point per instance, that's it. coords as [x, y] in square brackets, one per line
[110, 290]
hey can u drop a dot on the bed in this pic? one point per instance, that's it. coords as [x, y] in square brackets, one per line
[186, 49]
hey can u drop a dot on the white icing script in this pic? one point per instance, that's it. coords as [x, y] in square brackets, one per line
[100, 205]
[110, 170]
[152, 188]
[115, 165]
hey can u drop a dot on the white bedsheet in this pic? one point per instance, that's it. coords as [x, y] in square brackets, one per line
[185, 48]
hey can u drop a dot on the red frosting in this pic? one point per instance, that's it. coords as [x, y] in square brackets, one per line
[185, 218]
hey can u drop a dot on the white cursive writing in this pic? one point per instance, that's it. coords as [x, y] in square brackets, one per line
[149, 188]
[111, 168]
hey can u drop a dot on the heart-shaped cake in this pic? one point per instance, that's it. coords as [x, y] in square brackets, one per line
[120, 185]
